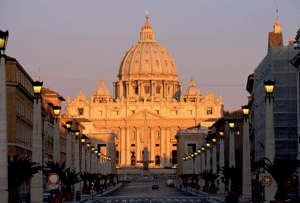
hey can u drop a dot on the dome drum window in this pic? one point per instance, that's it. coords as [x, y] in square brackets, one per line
[209, 111]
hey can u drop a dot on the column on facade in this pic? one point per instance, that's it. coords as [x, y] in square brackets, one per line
[96, 163]
[214, 163]
[208, 159]
[199, 162]
[222, 165]
[88, 160]
[163, 146]
[246, 187]
[203, 166]
[56, 141]
[37, 179]
[138, 145]
[168, 158]
[69, 150]
[127, 151]
[122, 146]
[152, 158]
[83, 169]
[231, 149]
[92, 162]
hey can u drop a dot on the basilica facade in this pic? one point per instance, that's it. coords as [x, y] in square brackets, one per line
[147, 107]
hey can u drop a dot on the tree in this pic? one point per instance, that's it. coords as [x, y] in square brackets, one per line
[282, 171]
[19, 171]
[212, 178]
[234, 174]
[70, 178]
[85, 177]
[57, 167]
[205, 177]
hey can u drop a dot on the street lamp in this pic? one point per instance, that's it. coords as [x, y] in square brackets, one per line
[56, 110]
[3, 40]
[76, 133]
[84, 138]
[92, 148]
[245, 110]
[214, 140]
[88, 145]
[231, 124]
[221, 133]
[231, 144]
[56, 138]
[37, 144]
[68, 125]
[3, 120]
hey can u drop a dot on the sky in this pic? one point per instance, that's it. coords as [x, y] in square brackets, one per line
[75, 43]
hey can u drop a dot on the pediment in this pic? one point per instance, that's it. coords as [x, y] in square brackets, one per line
[144, 113]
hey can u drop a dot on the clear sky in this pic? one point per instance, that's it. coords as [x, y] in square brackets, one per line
[75, 43]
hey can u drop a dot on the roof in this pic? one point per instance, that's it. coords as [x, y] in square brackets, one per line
[233, 115]
[296, 60]
[51, 93]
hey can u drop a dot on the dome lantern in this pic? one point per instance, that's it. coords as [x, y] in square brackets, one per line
[147, 34]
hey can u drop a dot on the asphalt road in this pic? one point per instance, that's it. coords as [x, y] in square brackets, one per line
[140, 191]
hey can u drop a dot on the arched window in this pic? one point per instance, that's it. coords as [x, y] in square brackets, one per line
[157, 160]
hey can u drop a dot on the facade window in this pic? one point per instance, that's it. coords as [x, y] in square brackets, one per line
[156, 145]
[133, 145]
[99, 113]
[132, 135]
[157, 112]
[174, 112]
[174, 145]
[147, 90]
[190, 112]
[115, 113]
[209, 111]
[80, 111]
[157, 90]
[174, 157]
[157, 160]
[157, 135]
[132, 112]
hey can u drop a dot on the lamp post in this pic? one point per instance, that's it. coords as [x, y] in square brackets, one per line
[203, 162]
[193, 163]
[246, 187]
[96, 161]
[269, 139]
[183, 165]
[76, 166]
[92, 160]
[69, 145]
[83, 141]
[208, 156]
[199, 160]
[3, 120]
[37, 144]
[196, 162]
[88, 157]
[231, 144]
[56, 137]
[221, 162]
[214, 156]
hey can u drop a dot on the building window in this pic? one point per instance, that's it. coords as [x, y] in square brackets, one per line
[174, 112]
[157, 160]
[174, 145]
[133, 145]
[132, 112]
[156, 145]
[147, 90]
[209, 111]
[132, 135]
[174, 157]
[157, 135]
[157, 112]
[99, 113]
[115, 113]
[157, 90]
[80, 111]
[190, 112]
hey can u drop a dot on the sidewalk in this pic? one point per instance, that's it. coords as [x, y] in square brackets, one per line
[89, 199]
[212, 198]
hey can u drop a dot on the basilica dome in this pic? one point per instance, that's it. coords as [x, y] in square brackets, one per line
[147, 59]
[101, 90]
[192, 90]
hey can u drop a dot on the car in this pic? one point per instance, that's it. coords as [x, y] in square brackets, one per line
[155, 187]
[46, 195]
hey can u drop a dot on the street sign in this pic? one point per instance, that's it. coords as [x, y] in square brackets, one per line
[267, 181]
[261, 170]
[53, 178]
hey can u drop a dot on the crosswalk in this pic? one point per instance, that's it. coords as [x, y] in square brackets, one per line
[154, 200]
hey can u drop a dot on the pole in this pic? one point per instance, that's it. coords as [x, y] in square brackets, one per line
[3, 131]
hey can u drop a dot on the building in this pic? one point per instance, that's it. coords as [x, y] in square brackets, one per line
[276, 66]
[147, 107]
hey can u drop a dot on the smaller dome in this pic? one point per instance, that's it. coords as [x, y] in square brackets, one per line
[192, 90]
[101, 90]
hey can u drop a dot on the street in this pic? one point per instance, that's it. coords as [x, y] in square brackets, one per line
[140, 191]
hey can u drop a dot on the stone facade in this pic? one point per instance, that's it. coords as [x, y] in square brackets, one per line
[148, 107]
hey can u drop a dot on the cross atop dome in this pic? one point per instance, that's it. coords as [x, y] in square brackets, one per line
[147, 34]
